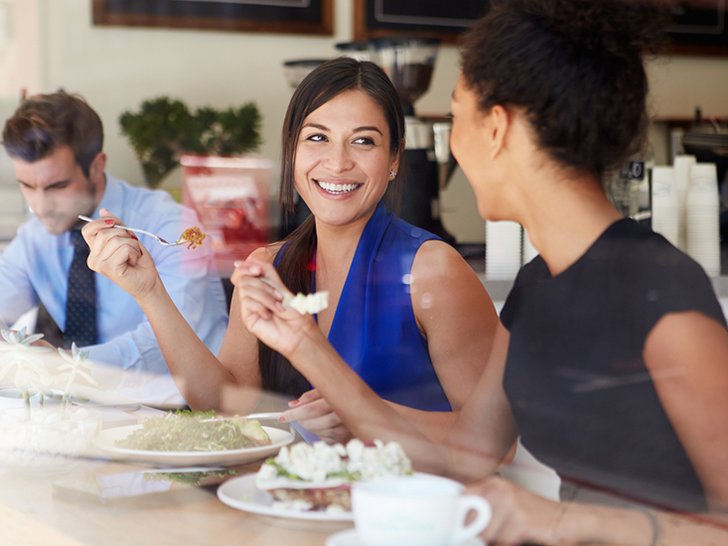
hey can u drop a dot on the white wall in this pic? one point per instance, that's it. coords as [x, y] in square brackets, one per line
[681, 83]
[19, 46]
[116, 68]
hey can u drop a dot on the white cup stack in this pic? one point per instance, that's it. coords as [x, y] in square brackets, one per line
[665, 211]
[682, 165]
[502, 250]
[702, 217]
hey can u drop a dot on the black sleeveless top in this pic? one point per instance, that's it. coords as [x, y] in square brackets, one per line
[575, 376]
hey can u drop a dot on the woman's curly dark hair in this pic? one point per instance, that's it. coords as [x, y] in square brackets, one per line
[575, 67]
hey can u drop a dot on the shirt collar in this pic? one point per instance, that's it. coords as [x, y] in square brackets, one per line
[112, 198]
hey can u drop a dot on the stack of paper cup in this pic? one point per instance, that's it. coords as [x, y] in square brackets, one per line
[702, 225]
[665, 218]
[502, 250]
[682, 165]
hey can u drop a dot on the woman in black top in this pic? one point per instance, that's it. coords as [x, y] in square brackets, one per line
[612, 357]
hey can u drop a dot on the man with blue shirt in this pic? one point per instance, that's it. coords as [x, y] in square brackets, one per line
[55, 144]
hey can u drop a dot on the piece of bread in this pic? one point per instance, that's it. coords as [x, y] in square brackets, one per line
[313, 498]
[308, 303]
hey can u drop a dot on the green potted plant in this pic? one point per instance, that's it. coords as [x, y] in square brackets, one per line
[164, 128]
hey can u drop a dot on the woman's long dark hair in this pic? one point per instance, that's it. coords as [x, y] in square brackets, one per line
[295, 266]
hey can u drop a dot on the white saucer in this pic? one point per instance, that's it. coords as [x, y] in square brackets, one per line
[348, 537]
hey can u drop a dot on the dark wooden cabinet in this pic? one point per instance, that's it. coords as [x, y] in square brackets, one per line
[697, 27]
[442, 19]
[302, 16]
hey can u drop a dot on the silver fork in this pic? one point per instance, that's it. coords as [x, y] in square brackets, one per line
[265, 416]
[160, 240]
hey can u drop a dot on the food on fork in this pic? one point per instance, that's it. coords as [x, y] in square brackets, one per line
[195, 431]
[318, 477]
[194, 237]
[308, 304]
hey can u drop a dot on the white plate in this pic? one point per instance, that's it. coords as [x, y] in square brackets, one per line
[242, 493]
[348, 537]
[106, 441]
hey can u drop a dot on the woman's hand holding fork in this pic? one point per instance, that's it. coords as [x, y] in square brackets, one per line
[118, 255]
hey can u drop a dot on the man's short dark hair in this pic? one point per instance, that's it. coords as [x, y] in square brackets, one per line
[44, 122]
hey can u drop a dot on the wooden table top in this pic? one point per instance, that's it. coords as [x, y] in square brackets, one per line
[96, 501]
[67, 508]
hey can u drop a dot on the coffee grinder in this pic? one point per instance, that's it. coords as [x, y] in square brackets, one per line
[428, 163]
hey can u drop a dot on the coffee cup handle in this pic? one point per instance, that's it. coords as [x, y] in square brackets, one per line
[480, 506]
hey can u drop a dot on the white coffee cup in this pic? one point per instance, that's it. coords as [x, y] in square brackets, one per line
[421, 509]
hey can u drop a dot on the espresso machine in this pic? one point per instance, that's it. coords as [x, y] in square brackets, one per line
[428, 163]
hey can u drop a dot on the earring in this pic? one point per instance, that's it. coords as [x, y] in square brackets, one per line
[392, 174]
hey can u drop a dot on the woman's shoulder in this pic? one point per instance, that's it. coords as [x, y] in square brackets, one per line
[648, 255]
[437, 254]
[661, 279]
[439, 262]
[404, 229]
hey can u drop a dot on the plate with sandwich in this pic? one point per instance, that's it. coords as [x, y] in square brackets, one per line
[313, 481]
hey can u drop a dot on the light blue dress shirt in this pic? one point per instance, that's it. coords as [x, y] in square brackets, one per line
[34, 268]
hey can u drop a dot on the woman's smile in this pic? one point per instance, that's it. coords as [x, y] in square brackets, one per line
[336, 188]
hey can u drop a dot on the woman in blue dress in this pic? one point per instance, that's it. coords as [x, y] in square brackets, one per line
[406, 312]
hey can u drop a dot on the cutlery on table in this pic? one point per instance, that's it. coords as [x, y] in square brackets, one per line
[264, 416]
[294, 427]
[160, 240]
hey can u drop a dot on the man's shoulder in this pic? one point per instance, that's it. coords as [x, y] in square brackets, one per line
[144, 194]
[30, 243]
[32, 230]
[151, 205]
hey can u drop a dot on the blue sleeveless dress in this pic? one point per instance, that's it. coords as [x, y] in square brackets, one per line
[374, 327]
